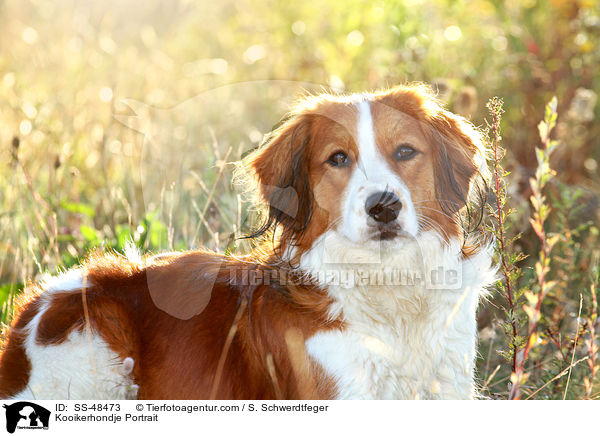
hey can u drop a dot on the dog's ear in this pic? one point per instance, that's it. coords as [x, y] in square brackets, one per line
[280, 167]
[459, 159]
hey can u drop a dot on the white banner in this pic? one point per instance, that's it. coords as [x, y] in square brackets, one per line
[288, 417]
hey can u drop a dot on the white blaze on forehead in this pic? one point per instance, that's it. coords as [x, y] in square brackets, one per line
[367, 146]
[372, 165]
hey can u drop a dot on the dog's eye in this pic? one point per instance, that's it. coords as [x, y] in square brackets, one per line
[338, 159]
[405, 152]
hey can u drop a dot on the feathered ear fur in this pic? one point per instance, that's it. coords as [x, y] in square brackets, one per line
[460, 164]
[280, 167]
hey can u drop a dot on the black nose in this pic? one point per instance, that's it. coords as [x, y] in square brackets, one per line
[383, 206]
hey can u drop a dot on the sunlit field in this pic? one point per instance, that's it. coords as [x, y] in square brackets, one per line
[121, 121]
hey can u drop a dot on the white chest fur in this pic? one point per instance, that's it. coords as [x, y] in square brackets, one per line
[401, 340]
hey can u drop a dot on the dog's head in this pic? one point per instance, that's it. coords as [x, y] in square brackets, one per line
[373, 168]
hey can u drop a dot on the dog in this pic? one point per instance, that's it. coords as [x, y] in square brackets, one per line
[365, 285]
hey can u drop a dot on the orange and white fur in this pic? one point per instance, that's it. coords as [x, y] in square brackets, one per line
[365, 288]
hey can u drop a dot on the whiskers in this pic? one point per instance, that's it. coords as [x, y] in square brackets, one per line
[428, 223]
[467, 227]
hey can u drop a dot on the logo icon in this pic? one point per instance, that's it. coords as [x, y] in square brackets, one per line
[26, 415]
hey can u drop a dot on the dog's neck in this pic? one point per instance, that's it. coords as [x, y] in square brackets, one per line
[409, 316]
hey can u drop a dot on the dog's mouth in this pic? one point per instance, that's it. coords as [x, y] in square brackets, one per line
[385, 232]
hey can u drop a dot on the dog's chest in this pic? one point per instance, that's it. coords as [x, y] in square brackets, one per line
[408, 357]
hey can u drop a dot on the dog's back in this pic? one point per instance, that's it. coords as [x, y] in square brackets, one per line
[193, 325]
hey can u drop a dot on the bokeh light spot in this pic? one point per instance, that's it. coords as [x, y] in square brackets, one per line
[29, 35]
[355, 38]
[500, 43]
[298, 27]
[452, 33]
[254, 53]
[105, 94]
[25, 127]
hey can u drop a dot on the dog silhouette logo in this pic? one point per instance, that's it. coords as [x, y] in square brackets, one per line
[26, 415]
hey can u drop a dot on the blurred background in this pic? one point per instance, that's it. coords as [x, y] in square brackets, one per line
[119, 120]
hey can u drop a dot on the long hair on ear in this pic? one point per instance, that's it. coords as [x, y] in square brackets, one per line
[460, 166]
[278, 179]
